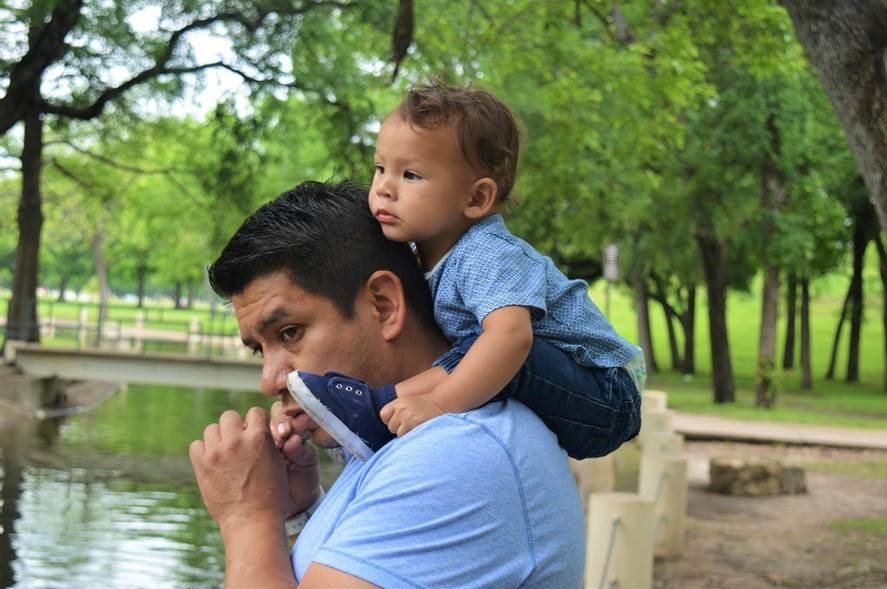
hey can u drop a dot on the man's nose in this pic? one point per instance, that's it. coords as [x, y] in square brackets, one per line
[274, 373]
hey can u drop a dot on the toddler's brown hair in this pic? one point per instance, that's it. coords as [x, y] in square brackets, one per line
[487, 130]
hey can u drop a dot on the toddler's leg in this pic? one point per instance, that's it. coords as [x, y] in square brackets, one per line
[591, 410]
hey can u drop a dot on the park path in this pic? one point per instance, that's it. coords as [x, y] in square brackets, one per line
[712, 427]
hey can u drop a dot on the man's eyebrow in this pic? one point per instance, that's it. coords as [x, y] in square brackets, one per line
[275, 316]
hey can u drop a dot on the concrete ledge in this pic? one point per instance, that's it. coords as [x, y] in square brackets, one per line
[147, 368]
[712, 427]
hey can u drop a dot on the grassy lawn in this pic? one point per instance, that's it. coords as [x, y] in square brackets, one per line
[156, 316]
[874, 468]
[862, 404]
[867, 525]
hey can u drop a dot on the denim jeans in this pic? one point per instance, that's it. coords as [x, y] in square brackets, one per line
[592, 411]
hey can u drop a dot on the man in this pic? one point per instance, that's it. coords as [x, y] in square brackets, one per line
[478, 499]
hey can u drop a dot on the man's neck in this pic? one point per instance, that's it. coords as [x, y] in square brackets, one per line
[418, 346]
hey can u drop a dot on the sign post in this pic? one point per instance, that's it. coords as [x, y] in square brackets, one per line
[611, 272]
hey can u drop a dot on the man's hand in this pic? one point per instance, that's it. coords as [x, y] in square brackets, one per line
[240, 473]
[300, 457]
[403, 414]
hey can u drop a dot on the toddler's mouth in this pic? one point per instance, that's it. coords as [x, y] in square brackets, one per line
[383, 216]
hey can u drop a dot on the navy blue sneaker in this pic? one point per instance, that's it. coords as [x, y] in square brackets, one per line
[346, 408]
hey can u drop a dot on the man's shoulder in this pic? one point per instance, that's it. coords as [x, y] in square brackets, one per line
[505, 435]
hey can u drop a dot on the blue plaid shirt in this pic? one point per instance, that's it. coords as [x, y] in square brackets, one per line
[489, 268]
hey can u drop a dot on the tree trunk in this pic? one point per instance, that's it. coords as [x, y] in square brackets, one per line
[190, 301]
[806, 373]
[860, 243]
[882, 267]
[766, 387]
[712, 253]
[21, 318]
[676, 363]
[833, 359]
[846, 43]
[178, 295]
[142, 274]
[772, 197]
[642, 312]
[101, 272]
[63, 286]
[791, 299]
[688, 321]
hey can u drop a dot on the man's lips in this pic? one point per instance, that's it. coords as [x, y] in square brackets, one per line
[383, 216]
[301, 420]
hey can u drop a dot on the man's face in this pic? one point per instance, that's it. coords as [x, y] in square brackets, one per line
[293, 329]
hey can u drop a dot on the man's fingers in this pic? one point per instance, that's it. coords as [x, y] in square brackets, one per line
[280, 431]
[195, 451]
[292, 446]
[256, 418]
[276, 410]
[230, 423]
[211, 434]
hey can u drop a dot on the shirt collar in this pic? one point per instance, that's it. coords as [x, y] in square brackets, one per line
[492, 220]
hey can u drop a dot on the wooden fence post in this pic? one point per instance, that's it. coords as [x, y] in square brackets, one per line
[619, 542]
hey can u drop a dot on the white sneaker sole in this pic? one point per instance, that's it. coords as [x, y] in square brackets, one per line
[325, 418]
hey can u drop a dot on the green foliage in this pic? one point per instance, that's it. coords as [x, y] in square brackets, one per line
[645, 130]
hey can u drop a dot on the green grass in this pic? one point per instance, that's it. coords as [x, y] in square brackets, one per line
[830, 402]
[876, 526]
[164, 317]
[863, 468]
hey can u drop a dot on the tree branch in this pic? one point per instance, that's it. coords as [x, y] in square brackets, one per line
[45, 47]
[115, 164]
[70, 175]
[161, 67]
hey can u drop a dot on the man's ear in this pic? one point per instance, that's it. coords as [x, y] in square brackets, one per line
[482, 199]
[388, 304]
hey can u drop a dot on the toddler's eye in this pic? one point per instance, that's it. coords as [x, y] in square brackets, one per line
[411, 175]
[380, 169]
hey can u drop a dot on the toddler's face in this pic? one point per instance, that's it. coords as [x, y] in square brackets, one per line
[422, 186]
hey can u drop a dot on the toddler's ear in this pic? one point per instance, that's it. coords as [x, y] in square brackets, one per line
[482, 201]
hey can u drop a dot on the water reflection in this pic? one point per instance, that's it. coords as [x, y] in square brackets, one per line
[108, 498]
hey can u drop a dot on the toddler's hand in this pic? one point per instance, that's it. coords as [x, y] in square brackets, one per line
[403, 414]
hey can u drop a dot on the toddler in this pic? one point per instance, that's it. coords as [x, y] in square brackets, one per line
[446, 162]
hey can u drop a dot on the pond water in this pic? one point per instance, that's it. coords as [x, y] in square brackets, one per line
[108, 498]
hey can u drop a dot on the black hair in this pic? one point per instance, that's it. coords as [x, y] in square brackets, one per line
[324, 236]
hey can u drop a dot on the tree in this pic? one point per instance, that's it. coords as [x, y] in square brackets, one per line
[76, 50]
[845, 41]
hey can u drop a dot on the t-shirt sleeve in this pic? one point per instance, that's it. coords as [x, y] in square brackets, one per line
[412, 525]
[497, 273]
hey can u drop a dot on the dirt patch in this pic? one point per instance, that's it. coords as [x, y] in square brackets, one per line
[832, 537]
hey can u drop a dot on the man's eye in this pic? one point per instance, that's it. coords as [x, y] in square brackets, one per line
[257, 352]
[289, 334]
[411, 175]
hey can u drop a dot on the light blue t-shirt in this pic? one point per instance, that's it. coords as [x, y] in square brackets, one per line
[477, 499]
[490, 268]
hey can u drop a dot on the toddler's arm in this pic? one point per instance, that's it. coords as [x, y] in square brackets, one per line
[490, 364]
